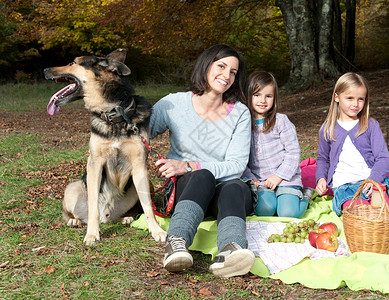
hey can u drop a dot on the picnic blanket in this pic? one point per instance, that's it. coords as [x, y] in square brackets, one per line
[358, 271]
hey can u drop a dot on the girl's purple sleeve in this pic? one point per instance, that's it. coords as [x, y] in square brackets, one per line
[380, 168]
[323, 158]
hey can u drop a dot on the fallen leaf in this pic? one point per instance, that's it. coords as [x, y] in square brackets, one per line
[12, 200]
[205, 292]
[193, 280]
[194, 294]
[153, 274]
[4, 264]
[37, 249]
[49, 269]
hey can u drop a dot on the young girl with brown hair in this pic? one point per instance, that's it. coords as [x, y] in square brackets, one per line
[275, 152]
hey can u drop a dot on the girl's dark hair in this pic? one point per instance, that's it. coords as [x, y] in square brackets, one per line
[199, 81]
[256, 82]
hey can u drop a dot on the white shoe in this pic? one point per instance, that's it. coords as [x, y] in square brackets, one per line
[177, 256]
[232, 261]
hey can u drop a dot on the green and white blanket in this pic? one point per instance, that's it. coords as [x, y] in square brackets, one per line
[357, 271]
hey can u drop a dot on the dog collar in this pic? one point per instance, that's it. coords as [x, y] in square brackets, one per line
[118, 114]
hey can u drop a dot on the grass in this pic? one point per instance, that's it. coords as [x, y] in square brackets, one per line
[34, 97]
[307, 152]
[41, 258]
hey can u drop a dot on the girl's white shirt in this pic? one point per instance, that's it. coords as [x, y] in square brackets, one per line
[351, 166]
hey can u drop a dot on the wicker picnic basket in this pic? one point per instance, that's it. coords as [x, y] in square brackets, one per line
[367, 227]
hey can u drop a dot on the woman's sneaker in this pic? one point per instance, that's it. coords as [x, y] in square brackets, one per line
[232, 261]
[177, 256]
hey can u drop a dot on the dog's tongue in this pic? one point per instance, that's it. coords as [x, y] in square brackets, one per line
[53, 109]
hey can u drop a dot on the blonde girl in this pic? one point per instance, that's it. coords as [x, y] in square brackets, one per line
[275, 152]
[351, 145]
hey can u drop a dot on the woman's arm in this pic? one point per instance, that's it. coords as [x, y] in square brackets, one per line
[159, 119]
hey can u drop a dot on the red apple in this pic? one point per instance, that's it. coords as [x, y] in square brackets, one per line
[327, 241]
[313, 236]
[330, 227]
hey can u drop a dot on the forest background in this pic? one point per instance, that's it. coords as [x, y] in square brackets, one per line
[302, 42]
[305, 43]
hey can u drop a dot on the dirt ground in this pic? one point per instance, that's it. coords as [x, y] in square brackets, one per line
[307, 110]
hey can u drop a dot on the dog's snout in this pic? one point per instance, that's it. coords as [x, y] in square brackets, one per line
[46, 73]
[107, 211]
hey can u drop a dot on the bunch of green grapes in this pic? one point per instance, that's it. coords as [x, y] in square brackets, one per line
[294, 232]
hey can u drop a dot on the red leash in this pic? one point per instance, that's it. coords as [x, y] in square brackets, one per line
[170, 202]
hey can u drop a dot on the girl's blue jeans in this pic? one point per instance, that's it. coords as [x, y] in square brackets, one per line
[346, 192]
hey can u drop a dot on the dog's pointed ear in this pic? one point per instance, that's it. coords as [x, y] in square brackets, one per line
[114, 62]
[118, 54]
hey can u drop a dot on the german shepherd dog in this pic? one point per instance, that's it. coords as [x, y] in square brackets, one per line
[116, 174]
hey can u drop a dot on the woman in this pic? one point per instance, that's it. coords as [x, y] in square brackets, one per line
[209, 149]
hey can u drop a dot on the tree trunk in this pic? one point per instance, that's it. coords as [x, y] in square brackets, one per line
[338, 29]
[326, 64]
[300, 34]
[349, 40]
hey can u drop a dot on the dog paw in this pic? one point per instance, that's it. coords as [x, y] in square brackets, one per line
[127, 220]
[74, 223]
[91, 239]
[159, 236]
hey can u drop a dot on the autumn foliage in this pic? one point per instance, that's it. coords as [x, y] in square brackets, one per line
[163, 36]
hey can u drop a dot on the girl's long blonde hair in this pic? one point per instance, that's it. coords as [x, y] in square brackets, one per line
[345, 82]
[256, 82]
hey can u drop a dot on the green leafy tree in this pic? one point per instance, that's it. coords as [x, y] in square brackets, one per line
[310, 40]
[177, 31]
[8, 52]
[75, 24]
[372, 34]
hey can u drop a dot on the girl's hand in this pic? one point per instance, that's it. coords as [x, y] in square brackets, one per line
[272, 182]
[321, 187]
[171, 167]
[256, 182]
[366, 187]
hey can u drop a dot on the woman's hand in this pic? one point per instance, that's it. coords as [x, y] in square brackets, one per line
[321, 186]
[171, 167]
[272, 182]
[368, 187]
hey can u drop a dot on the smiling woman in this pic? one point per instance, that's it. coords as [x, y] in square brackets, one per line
[209, 147]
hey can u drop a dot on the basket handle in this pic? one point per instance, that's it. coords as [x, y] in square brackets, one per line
[359, 191]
